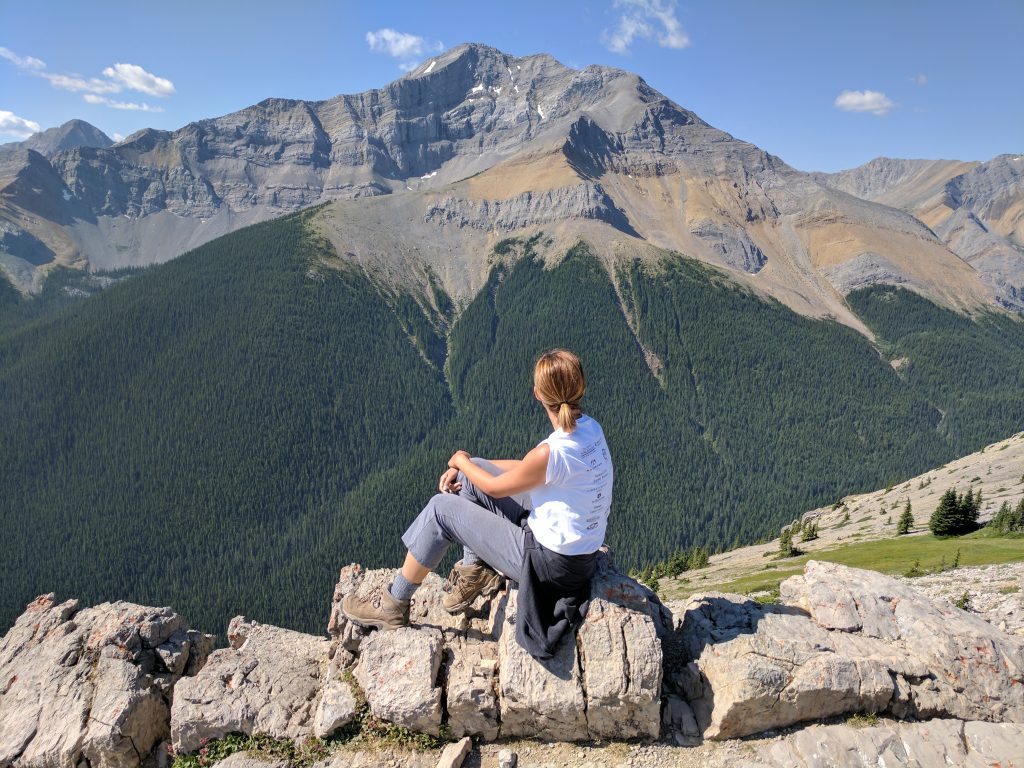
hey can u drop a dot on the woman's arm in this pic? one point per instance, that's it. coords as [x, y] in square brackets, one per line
[506, 464]
[527, 473]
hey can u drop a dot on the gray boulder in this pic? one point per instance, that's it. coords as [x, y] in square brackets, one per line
[544, 700]
[91, 684]
[471, 672]
[269, 681]
[846, 641]
[621, 658]
[934, 743]
[398, 673]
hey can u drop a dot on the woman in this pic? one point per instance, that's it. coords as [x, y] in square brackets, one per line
[562, 488]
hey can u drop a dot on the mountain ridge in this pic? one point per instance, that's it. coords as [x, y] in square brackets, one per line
[471, 132]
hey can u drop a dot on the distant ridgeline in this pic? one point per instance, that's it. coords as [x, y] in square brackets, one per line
[222, 432]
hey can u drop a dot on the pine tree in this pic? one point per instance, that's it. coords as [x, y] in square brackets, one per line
[906, 521]
[955, 515]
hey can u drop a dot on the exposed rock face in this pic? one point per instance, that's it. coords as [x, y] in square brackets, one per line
[542, 699]
[606, 682]
[976, 209]
[93, 684]
[846, 641]
[937, 742]
[269, 681]
[471, 668]
[398, 671]
[620, 650]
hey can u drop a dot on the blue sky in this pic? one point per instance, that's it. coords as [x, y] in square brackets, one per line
[824, 85]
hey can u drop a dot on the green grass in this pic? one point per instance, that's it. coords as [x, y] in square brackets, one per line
[892, 556]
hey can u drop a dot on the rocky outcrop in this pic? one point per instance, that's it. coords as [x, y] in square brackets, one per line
[844, 641]
[587, 200]
[605, 682]
[104, 686]
[91, 685]
[270, 680]
[935, 743]
[398, 671]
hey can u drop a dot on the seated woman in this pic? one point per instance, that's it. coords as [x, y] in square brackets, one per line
[538, 520]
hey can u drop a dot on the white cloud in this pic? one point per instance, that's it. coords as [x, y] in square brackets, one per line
[92, 98]
[408, 66]
[22, 62]
[19, 127]
[135, 78]
[920, 79]
[645, 20]
[394, 43]
[875, 102]
[116, 137]
[78, 84]
[116, 79]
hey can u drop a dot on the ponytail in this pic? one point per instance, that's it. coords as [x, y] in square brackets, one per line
[567, 418]
[558, 377]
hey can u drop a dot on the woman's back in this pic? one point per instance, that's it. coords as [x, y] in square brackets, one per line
[570, 511]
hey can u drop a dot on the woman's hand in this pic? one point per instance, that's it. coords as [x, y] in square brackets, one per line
[458, 456]
[448, 482]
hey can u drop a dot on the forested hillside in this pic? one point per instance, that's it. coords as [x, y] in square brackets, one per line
[222, 432]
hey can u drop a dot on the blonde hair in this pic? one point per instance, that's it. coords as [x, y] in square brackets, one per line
[558, 377]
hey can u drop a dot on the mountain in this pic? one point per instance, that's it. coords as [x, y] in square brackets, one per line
[280, 399]
[71, 135]
[976, 209]
[470, 148]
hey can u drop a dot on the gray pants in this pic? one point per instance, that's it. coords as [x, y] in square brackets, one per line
[486, 526]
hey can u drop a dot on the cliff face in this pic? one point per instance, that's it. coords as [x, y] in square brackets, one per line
[122, 685]
[472, 146]
[976, 209]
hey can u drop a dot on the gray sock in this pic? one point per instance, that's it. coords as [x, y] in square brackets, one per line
[402, 589]
[469, 557]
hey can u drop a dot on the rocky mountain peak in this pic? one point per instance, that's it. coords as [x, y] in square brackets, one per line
[70, 135]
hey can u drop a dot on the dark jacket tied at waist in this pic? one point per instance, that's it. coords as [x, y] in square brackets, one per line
[554, 592]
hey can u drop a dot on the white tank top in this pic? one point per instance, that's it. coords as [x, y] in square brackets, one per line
[570, 511]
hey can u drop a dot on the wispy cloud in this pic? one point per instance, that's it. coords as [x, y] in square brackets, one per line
[402, 45]
[116, 79]
[22, 62]
[875, 102]
[19, 127]
[92, 98]
[645, 20]
[920, 79]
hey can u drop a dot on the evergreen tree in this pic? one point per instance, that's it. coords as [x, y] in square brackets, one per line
[955, 515]
[906, 521]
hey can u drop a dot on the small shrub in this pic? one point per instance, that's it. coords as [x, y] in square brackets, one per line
[914, 571]
[963, 602]
[862, 720]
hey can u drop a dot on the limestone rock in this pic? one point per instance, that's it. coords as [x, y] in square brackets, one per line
[426, 609]
[545, 699]
[269, 681]
[91, 684]
[472, 702]
[251, 760]
[932, 743]
[338, 705]
[398, 673]
[621, 659]
[848, 641]
[454, 754]
[507, 759]
[971, 670]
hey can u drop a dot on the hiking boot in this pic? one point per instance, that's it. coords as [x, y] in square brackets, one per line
[466, 582]
[378, 609]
